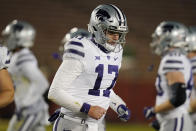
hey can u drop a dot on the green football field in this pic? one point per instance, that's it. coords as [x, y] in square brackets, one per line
[110, 127]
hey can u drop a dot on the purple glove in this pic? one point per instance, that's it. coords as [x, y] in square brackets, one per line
[123, 113]
[149, 112]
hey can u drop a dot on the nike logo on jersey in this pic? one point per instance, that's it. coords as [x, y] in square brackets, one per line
[114, 103]
[97, 57]
[115, 58]
[108, 57]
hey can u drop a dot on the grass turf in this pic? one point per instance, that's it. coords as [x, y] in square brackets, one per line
[109, 126]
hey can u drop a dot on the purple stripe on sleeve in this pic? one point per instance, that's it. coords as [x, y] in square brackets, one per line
[174, 61]
[73, 51]
[76, 43]
[176, 123]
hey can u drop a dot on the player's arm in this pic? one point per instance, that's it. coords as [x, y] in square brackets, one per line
[176, 83]
[38, 82]
[6, 88]
[68, 71]
[193, 99]
[119, 106]
[115, 101]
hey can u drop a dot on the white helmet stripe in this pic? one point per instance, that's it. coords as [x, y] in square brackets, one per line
[120, 14]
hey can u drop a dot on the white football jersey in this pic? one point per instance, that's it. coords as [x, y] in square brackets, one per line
[4, 57]
[172, 62]
[29, 81]
[100, 72]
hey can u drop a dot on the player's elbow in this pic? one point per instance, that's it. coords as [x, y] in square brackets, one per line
[178, 101]
[11, 95]
[178, 94]
[52, 94]
[8, 96]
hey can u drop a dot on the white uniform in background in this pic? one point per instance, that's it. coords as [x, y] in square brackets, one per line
[30, 85]
[173, 61]
[174, 80]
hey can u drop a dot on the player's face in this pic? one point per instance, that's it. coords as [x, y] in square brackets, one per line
[112, 37]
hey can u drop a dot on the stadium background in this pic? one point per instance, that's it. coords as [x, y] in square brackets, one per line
[54, 18]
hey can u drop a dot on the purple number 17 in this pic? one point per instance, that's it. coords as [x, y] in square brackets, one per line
[100, 70]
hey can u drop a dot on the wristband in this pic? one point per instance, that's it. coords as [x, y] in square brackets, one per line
[85, 108]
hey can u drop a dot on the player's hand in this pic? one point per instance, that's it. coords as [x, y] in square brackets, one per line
[155, 124]
[96, 112]
[149, 112]
[54, 116]
[123, 113]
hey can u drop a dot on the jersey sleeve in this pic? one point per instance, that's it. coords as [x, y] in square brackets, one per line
[68, 71]
[38, 84]
[115, 101]
[173, 63]
[74, 49]
[4, 57]
[26, 57]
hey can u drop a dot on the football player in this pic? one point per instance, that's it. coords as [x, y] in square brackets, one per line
[6, 85]
[174, 78]
[191, 49]
[83, 83]
[115, 101]
[30, 83]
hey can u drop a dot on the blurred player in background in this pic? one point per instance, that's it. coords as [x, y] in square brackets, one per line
[29, 81]
[191, 39]
[174, 79]
[6, 85]
[83, 83]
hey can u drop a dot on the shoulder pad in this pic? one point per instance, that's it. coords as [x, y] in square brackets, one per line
[74, 49]
[173, 63]
[25, 56]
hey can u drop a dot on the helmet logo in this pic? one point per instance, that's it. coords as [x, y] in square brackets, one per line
[102, 15]
[17, 27]
[168, 28]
